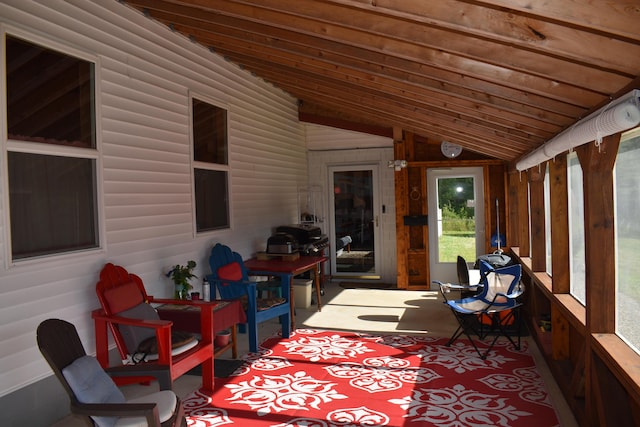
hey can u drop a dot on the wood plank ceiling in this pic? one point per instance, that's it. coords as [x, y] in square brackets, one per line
[499, 77]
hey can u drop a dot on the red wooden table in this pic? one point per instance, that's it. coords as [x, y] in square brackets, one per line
[287, 270]
[226, 315]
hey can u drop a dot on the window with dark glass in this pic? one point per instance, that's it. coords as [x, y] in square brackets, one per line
[50, 96]
[50, 102]
[210, 155]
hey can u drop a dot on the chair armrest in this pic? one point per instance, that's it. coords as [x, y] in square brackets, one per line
[160, 372]
[119, 320]
[445, 288]
[181, 302]
[147, 410]
[458, 287]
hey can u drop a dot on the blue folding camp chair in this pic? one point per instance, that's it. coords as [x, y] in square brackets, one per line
[495, 310]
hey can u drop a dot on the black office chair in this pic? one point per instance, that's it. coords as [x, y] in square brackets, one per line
[467, 289]
[463, 271]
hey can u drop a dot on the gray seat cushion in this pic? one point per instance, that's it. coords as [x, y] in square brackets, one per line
[141, 342]
[91, 384]
[166, 401]
[134, 335]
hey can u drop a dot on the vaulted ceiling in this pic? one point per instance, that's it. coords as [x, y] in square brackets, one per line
[499, 77]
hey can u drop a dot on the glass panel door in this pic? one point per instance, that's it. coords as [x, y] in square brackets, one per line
[354, 221]
[456, 206]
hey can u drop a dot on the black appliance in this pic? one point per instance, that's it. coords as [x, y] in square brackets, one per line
[304, 238]
[282, 243]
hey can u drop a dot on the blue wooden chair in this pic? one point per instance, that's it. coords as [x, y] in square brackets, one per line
[230, 278]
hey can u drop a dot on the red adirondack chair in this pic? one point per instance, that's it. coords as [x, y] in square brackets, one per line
[126, 307]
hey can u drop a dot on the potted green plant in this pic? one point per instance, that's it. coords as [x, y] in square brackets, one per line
[180, 274]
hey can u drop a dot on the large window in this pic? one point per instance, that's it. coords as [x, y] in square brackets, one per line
[576, 228]
[627, 207]
[51, 150]
[211, 170]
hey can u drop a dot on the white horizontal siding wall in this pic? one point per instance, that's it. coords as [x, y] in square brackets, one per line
[145, 77]
[356, 149]
[328, 138]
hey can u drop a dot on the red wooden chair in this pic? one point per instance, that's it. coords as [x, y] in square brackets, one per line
[123, 299]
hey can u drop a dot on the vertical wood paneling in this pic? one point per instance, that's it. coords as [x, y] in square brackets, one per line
[145, 77]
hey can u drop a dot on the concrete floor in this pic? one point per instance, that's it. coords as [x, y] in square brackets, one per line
[364, 310]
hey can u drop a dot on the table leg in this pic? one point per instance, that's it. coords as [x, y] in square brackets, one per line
[207, 335]
[234, 337]
[292, 303]
[317, 282]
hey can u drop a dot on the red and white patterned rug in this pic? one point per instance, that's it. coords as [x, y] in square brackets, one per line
[331, 379]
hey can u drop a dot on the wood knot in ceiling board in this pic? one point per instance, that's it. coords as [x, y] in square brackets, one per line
[537, 33]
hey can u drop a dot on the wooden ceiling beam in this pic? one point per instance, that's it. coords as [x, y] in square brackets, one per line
[429, 44]
[471, 89]
[498, 77]
[612, 17]
[342, 41]
[434, 133]
[410, 93]
[375, 96]
[299, 85]
[485, 21]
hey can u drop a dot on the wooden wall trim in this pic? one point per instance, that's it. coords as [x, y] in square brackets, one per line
[573, 310]
[621, 360]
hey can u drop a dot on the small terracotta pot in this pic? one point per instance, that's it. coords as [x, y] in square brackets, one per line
[222, 338]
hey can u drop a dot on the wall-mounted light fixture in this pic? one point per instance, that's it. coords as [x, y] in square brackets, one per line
[397, 165]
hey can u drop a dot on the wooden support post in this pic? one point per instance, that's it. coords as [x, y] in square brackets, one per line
[559, 225]
[513, 222]
[536, 209]
[402, 209]
[523, 214]
[597, 170]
